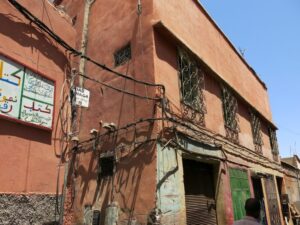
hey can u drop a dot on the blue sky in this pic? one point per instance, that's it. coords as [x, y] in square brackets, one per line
[269, 32]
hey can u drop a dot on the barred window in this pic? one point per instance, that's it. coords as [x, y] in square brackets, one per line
[192, 80]
[230, 108]
[256, 132]
[123, 55]
[274, 143]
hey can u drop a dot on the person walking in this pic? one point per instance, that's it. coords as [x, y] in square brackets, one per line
[252, 207]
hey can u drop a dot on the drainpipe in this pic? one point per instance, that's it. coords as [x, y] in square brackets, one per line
[84, 38]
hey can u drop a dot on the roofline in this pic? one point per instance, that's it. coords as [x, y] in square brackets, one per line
[288, 165]
[159, 24]
[230, 44]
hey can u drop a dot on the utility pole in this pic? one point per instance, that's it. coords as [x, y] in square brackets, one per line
[75, 117]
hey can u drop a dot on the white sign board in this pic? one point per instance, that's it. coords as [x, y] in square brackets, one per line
[82, 97]
[11, 81]
[24, 95]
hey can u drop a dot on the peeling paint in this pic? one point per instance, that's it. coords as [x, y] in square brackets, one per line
[168, 183]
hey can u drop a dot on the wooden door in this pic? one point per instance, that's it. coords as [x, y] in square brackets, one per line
[240, 191]
[272, 201]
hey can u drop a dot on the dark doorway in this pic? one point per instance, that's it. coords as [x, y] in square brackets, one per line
[199, 193]
[279, 185]
[258, 194]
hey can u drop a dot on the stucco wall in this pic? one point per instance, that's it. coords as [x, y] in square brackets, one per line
[292, 189]
[112, 25]
[166, 70]
[29, 155]
[190, 25]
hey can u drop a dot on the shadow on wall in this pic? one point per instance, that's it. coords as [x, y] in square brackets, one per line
[124, 185]
[28, 36]
[15, 129]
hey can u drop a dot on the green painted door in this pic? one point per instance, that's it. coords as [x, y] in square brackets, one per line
[240, 191]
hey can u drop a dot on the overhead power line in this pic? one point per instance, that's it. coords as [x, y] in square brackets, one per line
[117, 89]
[28, 15]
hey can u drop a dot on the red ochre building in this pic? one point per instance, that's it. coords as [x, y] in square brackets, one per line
[181, 133]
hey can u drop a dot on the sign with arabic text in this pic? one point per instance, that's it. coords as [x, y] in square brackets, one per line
[82, 97]
[25, 95]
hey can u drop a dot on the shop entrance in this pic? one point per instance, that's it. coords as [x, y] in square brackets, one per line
[199, 193]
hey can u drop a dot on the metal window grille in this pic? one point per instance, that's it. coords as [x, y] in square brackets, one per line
[230, 109]
[192, 84]
[192, 81]
[123, 55]
[274, 143]
[256, 132]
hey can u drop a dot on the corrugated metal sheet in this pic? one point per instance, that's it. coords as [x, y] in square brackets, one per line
[199, 193]
[200, 210]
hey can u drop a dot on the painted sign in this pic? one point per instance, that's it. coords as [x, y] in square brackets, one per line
[82, 97]
[25, 95]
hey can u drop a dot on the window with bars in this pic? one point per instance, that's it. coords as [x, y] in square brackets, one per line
[274, 143]
[192, 81]
[256, 132]
[123, 55]
[230, 109]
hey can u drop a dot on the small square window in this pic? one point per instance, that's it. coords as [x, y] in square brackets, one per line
[106, 165]
[123, 55]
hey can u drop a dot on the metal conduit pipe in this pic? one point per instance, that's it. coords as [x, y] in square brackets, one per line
[84, 38]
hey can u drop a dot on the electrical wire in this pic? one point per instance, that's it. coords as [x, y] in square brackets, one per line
[28, 15]
[117, 89]
[123, 128]
[61, 42]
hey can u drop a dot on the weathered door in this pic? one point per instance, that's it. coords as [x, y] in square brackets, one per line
[240, 191]
[199, 193]
[272, 201]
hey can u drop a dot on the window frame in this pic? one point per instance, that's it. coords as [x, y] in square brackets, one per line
[200, 107]
[256, 135]
[232, 131]
[126, 57]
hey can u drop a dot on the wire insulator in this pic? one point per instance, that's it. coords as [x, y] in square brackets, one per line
[139, 8]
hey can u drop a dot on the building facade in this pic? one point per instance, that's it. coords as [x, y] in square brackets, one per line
[32, 72]
[178, 127]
